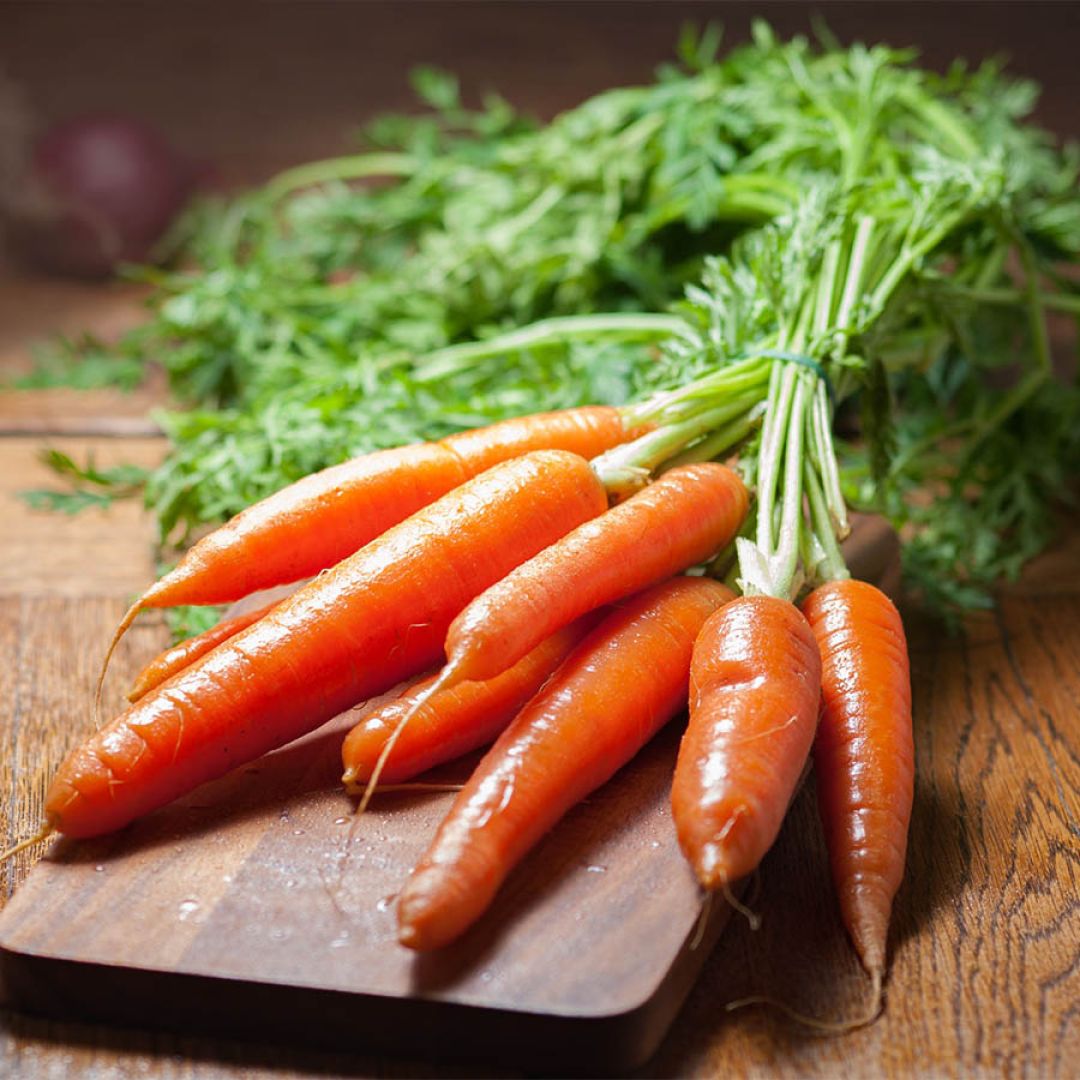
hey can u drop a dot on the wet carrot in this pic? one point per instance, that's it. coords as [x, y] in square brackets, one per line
[754, 689]
[378, 617]
[318, 521]
[684, 517]
[455, 721]
[185, 653]
[621, 684]
[863, 755]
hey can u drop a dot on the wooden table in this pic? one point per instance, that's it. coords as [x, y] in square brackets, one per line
[985, 963]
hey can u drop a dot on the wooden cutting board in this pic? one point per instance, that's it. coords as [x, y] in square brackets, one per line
[261, 907]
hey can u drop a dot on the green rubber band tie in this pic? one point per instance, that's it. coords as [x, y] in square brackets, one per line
[806, 362]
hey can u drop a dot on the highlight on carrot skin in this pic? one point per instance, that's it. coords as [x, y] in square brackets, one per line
[390, 603]
[755, 685]
[571, 738]
[453, 722]
[864, 755]
[314, 523]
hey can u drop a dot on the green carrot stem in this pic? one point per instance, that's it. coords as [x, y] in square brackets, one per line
[721, 441]
[830, 566]
[353, 167]
[672, 406]
[548, 333]
[656, 447]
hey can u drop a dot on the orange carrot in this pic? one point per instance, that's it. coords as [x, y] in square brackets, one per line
[378, 617]
[186, 652]
[454, 721]
[625, 680]
[863, 755]
[318, 521]
[684, 517]
[754, 689]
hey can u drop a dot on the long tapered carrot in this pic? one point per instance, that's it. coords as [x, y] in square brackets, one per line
[376, 618]
[684, 517]
[625, 680]
[864, 758]
[185, 653]
[455, 721]
[319, 520]
[754, 689]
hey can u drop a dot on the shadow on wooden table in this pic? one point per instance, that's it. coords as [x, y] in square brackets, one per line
[92, 1051]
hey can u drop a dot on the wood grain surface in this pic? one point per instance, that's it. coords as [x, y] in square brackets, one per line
[986, 946]
[985, 951]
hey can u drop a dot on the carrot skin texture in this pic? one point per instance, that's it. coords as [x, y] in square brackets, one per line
[754, 690]
[376, 618]
[186, 652]
[455, 721]
[864, 754]
[571, 738]
[323, 518]
[684, 517]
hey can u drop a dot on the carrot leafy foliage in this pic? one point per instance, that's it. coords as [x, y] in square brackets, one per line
[904, 229]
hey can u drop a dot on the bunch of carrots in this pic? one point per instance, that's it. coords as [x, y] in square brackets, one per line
[686, 546]
[541, 577]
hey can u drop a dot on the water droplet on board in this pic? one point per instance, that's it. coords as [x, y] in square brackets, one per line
[187, 908]
[596, 869]
[341, 821]
[340, 941]
[386, 902]
[99, 869]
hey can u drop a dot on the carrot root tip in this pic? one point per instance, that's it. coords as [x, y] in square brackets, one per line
[42, 834]
[824, 1027]
[125, 623]
[752, 917]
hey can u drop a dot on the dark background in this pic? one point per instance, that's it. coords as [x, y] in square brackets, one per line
[251, 87]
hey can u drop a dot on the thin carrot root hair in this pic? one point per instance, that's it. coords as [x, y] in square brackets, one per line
[447, 678]
[42, 834]
[702, 922]
[121, 630]
[752, 917]
[824, 1027]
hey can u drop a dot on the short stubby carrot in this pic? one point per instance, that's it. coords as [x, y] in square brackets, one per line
[864, 757]
[319, 520]
[454, 721]
[186, 652]
[681, 519]
[754, 689]
[625, 680]
[378, 617]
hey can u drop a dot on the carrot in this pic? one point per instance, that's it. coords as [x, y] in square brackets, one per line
[625, 680]
[684, 517]
[186, 652]
[455, 721]
[754, 689]
[863, 755]
[378, 617]
[318, 521]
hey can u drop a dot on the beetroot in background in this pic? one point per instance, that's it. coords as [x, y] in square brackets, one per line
[96, 191]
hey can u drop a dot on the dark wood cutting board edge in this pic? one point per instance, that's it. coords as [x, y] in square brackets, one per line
[425, 1029]
[588, 969]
